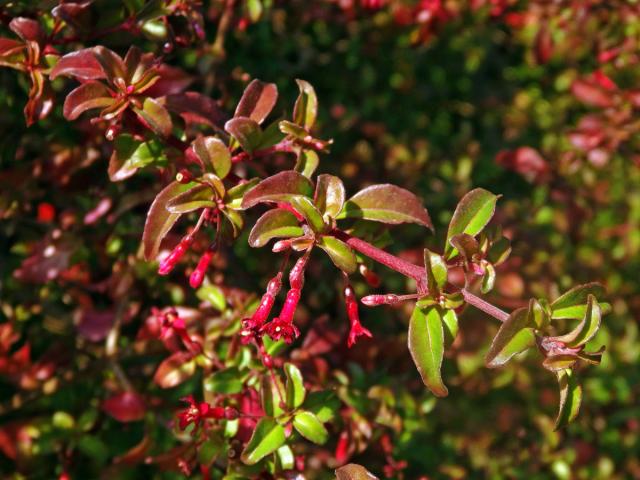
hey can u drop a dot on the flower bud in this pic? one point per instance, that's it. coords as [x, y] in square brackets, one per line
[169, 263]
[184, 176]
[195, 280]
[290, 305]
[296, 275]
[375, 300]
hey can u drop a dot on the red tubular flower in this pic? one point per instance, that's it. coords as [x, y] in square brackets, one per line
[169, 263]
[173, 324]
[357, 329]
[266, 304]
[296, 275]
[196, 413]
[280, 329]
[197, 276]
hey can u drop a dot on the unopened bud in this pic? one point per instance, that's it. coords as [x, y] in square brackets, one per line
[111, 132]
[169, 263]
[197, 276]
[184, 176]
[375, 300]
[296, 275]
[281, 246]
[231, 413]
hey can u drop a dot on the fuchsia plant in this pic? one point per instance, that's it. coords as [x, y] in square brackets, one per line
[141, 107]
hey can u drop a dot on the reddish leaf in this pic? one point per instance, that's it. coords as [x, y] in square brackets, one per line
[27, 29]
[246, 131]
[172, 81]
[194, 107]
[46, 264]
[87, 96]
[94, 325]
[111, 63]
[81, 65]
[387, 204]
[277, 188]
[125, 406]
[9, 47]
[591, 94]
[257, 101]
[160, 220]
[276, 223]
[174, 370]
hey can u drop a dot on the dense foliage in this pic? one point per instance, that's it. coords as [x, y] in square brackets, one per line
[202, 202]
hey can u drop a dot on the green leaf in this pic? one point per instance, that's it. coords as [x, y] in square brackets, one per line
[353, 471]
[267, 438]
[228, 381]
[160, 220]
[573, 304]
[276, 223]
[286, 458]
[559, 362]
[156, 116]
[324, 405]
[499, 251]
[570, 398]
[472, 214]
[339, 252]
[587, 327]
[426, 344]
[246, 131]
[450, 323]
[233, 197]
[281, 187]
[214, 155]
[308, 425]
[436, 271]
[197, 197]
[257, 101]
[213, 295]
[294, 386]
[488, 279]
[329, 196]
[387, 204]
[307, 162]
[174, 370]
[130, 154]
[305, 207]
[293, 130]
[271, 392]
[305, 109]
[538, 316]
[514, 336]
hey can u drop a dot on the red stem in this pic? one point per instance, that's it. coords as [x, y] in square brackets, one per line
[486, 307]
[416, 272]
[407, 269]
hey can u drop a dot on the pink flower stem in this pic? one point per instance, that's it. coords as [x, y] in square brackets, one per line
[413, 271]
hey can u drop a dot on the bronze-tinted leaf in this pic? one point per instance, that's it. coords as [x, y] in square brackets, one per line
[280, 187]
[515, 336]
[587, 327]
[81, 65]
[305, 109]
[353, 471]
[111, 63]
[214, 155]
[160, 220]
[472, 214]
[197, 197]
[330, 195]
[27, 29]
[156, 116]
[174, 370]
[387, 204]
[276, 223]
[257, 101]
[570, 398]
[87, 96]
[340, 253]
[246, 131]
[194, 107]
